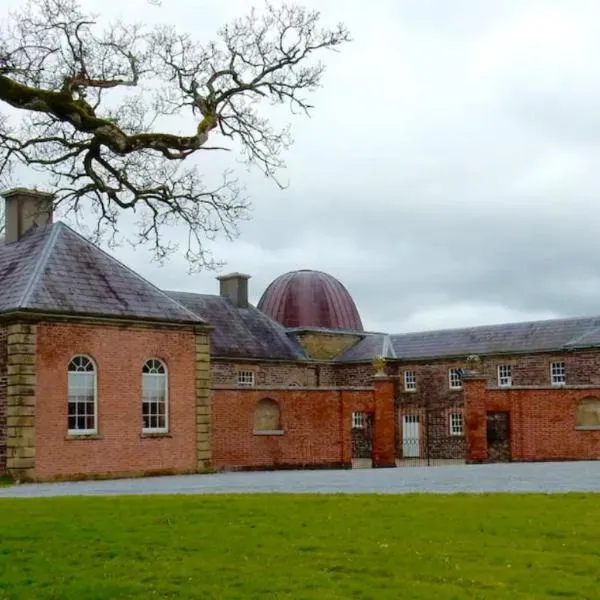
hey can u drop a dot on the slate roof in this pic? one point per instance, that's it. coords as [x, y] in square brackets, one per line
[54, 269]
[241, 332]
[533, 336]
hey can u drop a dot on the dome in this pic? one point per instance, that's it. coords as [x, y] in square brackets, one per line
[310, 299]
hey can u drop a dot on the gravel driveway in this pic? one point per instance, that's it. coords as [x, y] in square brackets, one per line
[531, 477]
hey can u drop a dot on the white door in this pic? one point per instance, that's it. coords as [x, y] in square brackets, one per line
[411, 436]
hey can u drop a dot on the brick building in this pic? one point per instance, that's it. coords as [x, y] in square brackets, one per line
[103, 374]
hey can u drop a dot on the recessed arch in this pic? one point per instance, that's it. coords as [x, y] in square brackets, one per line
[588, 413]
[267, 415]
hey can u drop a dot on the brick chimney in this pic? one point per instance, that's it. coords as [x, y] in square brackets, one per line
[235, 287]
[23, 209]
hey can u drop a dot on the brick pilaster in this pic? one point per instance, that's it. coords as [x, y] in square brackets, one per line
[203, 429]
[384, 441]
[20, 401]
[475, 417]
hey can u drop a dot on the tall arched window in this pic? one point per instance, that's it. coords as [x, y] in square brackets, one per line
[154, 397]
[83, 405]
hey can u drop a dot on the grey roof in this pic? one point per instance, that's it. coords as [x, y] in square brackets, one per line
[241, 332]
[534, 336]
[54, 269]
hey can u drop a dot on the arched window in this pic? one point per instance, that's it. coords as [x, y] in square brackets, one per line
[83, 405]
[588, 414]
[154, 396]
[267, 416]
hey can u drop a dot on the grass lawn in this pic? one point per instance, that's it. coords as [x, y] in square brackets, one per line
[281, 546]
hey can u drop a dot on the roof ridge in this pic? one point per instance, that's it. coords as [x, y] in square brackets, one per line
[41, 264]
[388, 347]
[479, 327]
[130, 270]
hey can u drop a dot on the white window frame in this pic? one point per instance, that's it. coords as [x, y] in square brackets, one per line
[359, 420]
[453, 377]
[165, 377]
[410, 381]
[558, 373]
[457, 424]
[94, 430]
[245, 378]
[504, 375]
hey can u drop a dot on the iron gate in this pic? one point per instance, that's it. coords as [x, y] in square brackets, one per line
[430, 435]
[362, 437]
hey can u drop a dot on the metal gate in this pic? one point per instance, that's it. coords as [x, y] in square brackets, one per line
[362, 439]
[430, 436]
[498, 436]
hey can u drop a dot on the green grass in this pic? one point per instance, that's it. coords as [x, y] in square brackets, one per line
[279, 546]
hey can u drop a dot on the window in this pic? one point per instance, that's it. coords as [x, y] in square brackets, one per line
[456, 423]
[454, 376]
[246, 378]
[504, 375]
[82, 418]
[557, 373]
[588, 414]
[267, 416]
[410, 381]
[359, 420]
[154, 397]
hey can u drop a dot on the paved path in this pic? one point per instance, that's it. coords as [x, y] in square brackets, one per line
[533, 477]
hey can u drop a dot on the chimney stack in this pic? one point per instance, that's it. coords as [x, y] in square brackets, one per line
[235, 287]
[23, 209]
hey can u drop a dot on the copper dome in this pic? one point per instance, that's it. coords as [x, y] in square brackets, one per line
[310, 299]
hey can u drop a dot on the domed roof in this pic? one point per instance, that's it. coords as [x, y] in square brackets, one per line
[310, 299]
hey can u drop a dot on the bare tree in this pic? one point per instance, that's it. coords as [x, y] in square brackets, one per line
[95, 107]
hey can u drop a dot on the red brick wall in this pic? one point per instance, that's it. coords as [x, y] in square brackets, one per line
[265, 373]
[316, 426]
[3, 371]
[119, 353]
[542, 422]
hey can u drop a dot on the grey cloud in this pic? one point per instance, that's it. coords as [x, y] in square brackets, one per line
[448, 175]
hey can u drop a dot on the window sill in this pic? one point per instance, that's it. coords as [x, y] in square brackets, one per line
[83, 436]
[269, 432]
[588, 428]
[156, 434]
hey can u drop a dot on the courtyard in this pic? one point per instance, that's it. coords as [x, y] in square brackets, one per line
[546, 477]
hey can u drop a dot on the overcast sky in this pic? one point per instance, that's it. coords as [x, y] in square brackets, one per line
[449, 175]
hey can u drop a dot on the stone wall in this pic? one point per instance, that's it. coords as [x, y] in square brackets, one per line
[3, 390]
[225, 373]
[325, 346]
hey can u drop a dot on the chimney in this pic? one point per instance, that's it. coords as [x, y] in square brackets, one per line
[23, 209]
[235, 287]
